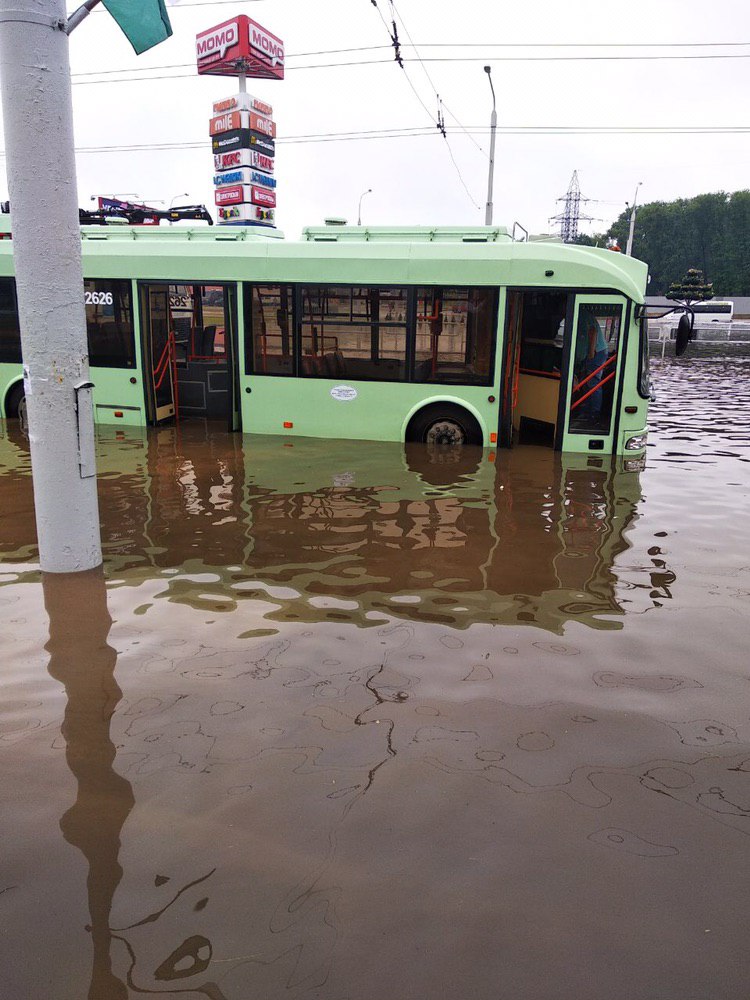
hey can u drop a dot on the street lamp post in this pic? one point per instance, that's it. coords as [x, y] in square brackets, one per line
[629, 247]
[493, 131]
[359, 210]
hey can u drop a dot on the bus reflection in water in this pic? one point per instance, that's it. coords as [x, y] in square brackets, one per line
[525, 537]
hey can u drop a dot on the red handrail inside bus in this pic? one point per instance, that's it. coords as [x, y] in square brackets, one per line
[607, 378]
[579, 385]
[168, 361]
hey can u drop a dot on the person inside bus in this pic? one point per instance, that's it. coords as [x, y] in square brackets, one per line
[590, 354]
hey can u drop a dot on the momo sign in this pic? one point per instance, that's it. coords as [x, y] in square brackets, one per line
[240, 46]
[218, 45]
[266, 46]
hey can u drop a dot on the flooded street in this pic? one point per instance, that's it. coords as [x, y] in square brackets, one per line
[354, 722]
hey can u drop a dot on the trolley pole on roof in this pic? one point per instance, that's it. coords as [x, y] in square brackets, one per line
[631, 231]
[38, 115]
[493, 131]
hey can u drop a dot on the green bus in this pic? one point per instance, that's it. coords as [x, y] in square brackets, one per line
[443, 335]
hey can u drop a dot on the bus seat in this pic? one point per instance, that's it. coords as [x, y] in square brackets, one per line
[335, 366]
[207, 341]
[312, 364]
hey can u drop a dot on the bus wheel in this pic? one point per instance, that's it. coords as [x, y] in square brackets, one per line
[15, 403]
[444, 424]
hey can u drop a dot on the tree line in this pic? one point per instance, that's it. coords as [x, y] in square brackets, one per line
[710, 232]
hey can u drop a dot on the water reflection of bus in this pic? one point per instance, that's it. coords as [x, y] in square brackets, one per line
[431, 335]
[339, 534]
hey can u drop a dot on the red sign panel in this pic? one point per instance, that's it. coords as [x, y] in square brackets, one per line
[227, 122]
[240, 45]
[234, 195]
[259, 123]
[263, 196]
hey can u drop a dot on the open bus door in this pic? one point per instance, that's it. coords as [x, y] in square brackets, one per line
[190, 346]
[536, 321]
[510, 368]
[204, 318]
[158, 353]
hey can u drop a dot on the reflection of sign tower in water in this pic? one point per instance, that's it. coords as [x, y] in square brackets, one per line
[242, 130]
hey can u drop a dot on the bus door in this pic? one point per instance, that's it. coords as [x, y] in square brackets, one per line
[532, 365]
[203, 320]
[593, 362]
[159, 368]
[510, 367]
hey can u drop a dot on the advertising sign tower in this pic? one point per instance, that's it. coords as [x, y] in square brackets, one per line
[242, 129]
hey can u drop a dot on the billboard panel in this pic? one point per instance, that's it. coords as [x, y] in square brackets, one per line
[237, 46]
[243, 175]
[244, 214]
[242, 102]
[246, 158]
[238, 194]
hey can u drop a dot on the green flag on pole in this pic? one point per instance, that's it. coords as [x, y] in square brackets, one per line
[145, 23]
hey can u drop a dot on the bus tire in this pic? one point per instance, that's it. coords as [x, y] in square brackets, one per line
[444, 424]
[15, 402]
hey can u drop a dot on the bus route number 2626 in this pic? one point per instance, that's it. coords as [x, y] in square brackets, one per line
[97, 298]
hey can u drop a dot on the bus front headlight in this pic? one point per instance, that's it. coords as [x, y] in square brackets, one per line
[637, 442]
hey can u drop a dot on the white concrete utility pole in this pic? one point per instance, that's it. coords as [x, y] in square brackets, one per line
[38, 114]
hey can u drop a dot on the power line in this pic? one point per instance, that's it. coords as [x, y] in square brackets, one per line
[419, 132]
[571, 45]
[439, 122]
[485, 46]
[442, 103]
[380, 62]
[608, 58]
[440, 125]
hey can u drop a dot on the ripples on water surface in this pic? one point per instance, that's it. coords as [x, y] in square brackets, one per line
[364, 724]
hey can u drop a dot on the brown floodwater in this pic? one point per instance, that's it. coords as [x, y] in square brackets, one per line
[354, 722]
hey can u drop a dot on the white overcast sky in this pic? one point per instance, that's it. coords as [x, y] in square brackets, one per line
[413, 180]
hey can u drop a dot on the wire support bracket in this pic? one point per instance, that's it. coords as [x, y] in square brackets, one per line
[30, 17]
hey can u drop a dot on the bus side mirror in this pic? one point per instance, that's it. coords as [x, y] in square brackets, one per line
[684, 335]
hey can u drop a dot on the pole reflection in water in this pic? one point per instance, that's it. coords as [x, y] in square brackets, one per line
[82, 660]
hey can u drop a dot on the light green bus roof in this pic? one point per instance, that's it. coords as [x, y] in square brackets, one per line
[351, 255]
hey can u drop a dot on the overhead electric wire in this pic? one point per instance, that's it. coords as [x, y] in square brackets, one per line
[485, 46]
[432, 84]
[439, 123]
[381, 62]
[423, 131]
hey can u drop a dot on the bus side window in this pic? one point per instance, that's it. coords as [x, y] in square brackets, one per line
[10, 330]
[109, 323]
[269, 325]
[354, 332]
[455, 335]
